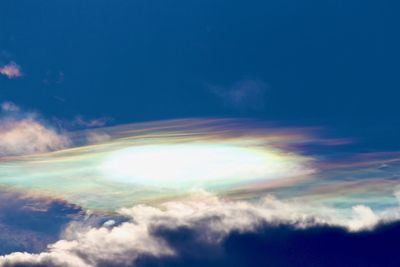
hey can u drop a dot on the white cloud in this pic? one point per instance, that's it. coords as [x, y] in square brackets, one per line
[364, 218]
[22, 133]
[120, 246]
[212, 217]
[28, 136]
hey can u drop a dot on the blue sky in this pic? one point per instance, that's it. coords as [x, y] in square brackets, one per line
[322, 63]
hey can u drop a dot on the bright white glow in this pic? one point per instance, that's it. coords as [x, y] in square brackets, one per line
[195, 165]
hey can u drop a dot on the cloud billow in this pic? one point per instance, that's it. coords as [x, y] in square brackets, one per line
[173, 235]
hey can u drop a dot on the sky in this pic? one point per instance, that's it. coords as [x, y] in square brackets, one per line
[332, 63]
[152, 133]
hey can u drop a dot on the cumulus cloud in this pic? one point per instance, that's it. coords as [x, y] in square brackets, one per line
[211, 220]
[23, 133]
[364, 218]
[11, 70]
[119, 246]
[247, 94]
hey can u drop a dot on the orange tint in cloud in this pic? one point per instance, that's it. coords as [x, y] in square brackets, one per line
[11, 70]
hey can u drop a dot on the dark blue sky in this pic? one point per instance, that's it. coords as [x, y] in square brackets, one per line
[332, 63]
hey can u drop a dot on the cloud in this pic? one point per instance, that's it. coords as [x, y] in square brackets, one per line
[210, 219]
[9, 107]
[90, 123]
[11, 70]
[247, 94]
[203, 222]
[364, 218]
[80, 122]
[119, 246]
[23, 133]
[97, 137]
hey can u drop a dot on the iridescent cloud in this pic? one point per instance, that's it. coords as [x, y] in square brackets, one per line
[209, 175]
[154, 162]
[149, 162]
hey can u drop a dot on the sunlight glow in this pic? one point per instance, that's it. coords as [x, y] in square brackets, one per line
[194, 165]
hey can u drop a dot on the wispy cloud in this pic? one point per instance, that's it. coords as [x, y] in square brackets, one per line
[81, 122]
[97, 137]
[11, 70]
[97, 122]
[9, 106]
[23, 133]
[247, 94]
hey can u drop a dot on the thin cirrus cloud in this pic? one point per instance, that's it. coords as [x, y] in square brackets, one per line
[243, 95]
[81, 122]
[11, 70]
[97, 122]
[9, 106]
